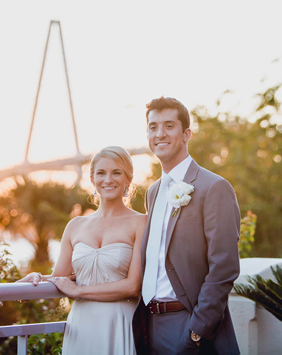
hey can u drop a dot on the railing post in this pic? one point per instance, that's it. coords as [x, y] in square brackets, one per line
[22, 345]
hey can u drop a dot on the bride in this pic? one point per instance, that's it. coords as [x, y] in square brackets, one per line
[103, 250]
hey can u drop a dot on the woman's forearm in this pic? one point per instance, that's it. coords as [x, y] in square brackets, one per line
[110, 291]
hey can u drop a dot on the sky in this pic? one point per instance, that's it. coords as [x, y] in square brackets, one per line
[120, 55]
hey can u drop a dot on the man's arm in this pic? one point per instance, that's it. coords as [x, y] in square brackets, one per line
[222, 229]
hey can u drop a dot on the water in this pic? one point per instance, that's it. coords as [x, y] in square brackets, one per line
[22, 251]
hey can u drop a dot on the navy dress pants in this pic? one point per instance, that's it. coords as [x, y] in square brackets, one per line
[169, 334]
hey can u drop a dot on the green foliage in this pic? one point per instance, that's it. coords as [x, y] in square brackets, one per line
[48, 344]
[137, 203]
[8, 346]
[156, 173]
[38, 344]
[266, 293]
[40, 213]
[248, 227]
[8, 271]
[9, 311]
[249, 156]
[33, 311]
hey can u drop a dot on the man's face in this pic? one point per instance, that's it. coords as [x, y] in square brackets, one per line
[166, 137]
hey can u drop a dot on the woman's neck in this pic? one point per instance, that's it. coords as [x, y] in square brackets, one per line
[111, 208]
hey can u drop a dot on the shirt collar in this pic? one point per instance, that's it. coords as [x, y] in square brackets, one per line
[178, 172]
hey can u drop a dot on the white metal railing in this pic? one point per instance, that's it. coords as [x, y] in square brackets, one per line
[27, 291]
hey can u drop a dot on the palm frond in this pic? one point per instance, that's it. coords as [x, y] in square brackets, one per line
[267, 287]
[266, 293]
[275, 288]
[277, 274]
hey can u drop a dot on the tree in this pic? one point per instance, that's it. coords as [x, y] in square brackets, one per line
[40, 213]
[249, 156]
[137, 202]
[248, 227]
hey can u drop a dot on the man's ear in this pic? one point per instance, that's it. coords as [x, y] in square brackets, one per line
[187, 135]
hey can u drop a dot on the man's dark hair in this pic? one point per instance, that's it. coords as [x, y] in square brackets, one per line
[167, 102]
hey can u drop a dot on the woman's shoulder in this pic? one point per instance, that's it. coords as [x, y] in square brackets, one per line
[138, 220]
[75, 225]
[137, 215]
[78, 221]
[135, 219]
[138, 224]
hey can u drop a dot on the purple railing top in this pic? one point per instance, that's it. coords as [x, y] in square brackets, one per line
[29, 329]
[27, 291]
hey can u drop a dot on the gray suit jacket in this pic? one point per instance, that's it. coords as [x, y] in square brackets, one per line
[202, 259]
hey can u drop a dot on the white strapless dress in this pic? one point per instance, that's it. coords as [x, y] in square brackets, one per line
[102, 328]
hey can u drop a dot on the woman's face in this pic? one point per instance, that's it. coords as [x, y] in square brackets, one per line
[109, 179]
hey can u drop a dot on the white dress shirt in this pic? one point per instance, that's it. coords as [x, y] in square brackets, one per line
[164, 292]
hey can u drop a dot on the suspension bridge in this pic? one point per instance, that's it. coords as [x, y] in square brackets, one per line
[78, 159]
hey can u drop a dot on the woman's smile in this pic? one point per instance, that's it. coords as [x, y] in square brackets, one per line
[110, 179]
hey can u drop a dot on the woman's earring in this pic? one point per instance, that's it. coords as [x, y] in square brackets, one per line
[126, 192]
[95, 193]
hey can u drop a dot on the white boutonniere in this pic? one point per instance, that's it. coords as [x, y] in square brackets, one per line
[179, 195]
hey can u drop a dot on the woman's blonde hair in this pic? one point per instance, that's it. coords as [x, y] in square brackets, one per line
[122, 158]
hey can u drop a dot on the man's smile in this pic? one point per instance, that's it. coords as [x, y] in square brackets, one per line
[162, 143]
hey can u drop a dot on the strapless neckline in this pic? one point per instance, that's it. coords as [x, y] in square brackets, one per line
[105, 246]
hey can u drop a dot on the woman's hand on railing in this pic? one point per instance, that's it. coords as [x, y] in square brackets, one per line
[65, 285]
[72, 277]
[34, 277]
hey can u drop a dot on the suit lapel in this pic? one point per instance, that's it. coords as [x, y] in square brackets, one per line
[151, 202]
[190, 176]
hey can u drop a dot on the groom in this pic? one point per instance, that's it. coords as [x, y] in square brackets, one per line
[189, 251]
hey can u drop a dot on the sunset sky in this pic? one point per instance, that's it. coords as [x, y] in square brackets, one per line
[120, 55]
